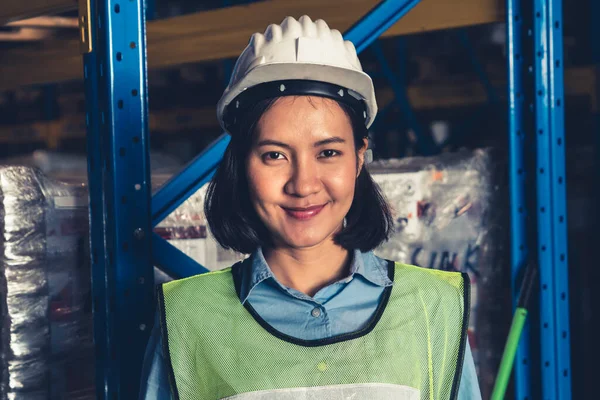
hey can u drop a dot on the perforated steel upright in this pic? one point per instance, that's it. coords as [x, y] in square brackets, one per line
[551, 200]
[517, 170]
[119, 179]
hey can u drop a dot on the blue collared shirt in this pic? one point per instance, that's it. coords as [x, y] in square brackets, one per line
[342, 307]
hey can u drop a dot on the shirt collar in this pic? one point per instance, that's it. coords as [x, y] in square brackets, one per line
[255, 270]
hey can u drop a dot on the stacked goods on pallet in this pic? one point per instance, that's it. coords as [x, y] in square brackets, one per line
[451, 213]
[45, 305]
[46, 344]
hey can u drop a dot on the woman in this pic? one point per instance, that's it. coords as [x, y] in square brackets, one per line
[312, 313]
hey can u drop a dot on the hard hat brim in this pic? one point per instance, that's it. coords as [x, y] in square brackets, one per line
[358, 82]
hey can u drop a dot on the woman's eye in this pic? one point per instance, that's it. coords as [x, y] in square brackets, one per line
[272, 155]
[329, 153]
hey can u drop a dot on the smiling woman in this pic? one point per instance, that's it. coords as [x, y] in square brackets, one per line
[290, 179]
[292, 153]
[312, 312]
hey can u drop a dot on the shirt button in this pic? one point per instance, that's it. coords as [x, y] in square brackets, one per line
[316, 313]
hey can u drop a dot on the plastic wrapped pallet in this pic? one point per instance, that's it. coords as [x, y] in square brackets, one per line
[46, 347]
[450, 213]
[44, 288]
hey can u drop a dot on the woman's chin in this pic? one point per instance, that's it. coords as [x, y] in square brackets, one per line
[304, 239]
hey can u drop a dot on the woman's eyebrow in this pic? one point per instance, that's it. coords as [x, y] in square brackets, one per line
[269, 142]
[330, 140]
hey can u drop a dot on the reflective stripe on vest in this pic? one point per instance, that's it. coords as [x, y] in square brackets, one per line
[374, 391]
[414, 343]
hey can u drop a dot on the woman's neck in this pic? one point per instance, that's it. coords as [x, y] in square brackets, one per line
[311, 269]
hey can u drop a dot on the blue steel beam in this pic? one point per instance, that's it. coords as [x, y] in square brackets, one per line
[189, 180]
[518, 210]
[556, 139]
[492, 95]
[379, 123]
[97, 212]
[123, 276]
[361, 34]
[551, 200]
[173, 261]
[402, 60]
[377, 21]
[478, 67]
[544, 204]
[424, 141]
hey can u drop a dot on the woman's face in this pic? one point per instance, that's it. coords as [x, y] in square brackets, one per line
[302, 169]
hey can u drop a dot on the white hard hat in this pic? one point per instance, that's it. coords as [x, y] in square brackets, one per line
[295, 58]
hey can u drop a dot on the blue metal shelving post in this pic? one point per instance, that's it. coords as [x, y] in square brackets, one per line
[97, 212]
[551, 200]
[519, 248]
[119, 179]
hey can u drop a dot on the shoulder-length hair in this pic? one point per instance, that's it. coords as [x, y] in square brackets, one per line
[235, 224]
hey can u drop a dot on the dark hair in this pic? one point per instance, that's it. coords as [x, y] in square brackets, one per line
[235, 224]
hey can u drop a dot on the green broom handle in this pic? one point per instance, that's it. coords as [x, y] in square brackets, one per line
[510, 350]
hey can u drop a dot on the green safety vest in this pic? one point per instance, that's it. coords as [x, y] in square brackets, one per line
[412, 348]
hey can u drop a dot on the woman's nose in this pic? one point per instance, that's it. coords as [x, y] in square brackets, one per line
[304, 180]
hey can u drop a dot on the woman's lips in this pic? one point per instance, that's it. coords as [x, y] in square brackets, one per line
[304, 213]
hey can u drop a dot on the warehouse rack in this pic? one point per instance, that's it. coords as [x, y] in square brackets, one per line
[123, 212]
[580, 82]
[182, 39]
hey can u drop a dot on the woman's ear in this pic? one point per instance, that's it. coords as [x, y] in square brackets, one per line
[361, 155]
